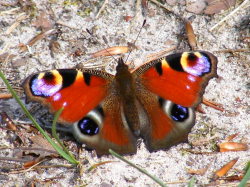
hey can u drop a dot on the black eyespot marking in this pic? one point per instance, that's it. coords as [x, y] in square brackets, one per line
[100, 110]
[68, 76]
[207, 57]
[48, 76]
[174, 61]
[87, 78]
[158, 68]
[33, 78]
[192, 57]
[179, 113]
[161, 101]
[88, 126]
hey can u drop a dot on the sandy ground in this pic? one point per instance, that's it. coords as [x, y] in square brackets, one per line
[161, 32]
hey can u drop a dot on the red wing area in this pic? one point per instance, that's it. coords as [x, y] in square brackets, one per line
[178, 87]
[158, 128]
[74, 90]
[161, 123]
[113, 133]
[180, 78]
[113, 130]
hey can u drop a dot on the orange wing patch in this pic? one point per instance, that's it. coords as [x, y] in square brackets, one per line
[78, 99]
[161, 124]
[179, 87]
[113, 131]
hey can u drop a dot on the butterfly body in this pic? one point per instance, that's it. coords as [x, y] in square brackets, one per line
[154, 101]
[125, 85]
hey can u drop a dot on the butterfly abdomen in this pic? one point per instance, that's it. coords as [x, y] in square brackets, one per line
[126, 89]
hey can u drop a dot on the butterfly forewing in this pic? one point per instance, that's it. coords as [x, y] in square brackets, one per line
[180, 78]
[77, 91]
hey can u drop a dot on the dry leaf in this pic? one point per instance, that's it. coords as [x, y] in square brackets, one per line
[111, 51]
[216, 6]
[221, 172]
[231, 137]
[196, 7]
[43, 22]
[182, 2]
[232, 146]
[127, 18]
[198, 171]
[190, 34]
[40, 142]
[6, 55]
[145, 7]
[9, 123]
[18, 62]
[169, 42]
[171, 2]
[54, 48]
[33, 162]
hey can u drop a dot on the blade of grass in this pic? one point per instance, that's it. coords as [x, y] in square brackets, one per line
[243, 183]
[55, 135]
[57, 148]
[96, 165]
[191, 183]
[138, 168]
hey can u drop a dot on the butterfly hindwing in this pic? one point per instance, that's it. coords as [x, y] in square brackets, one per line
[111, 132]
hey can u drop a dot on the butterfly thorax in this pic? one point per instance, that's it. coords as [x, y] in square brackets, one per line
[127, 93]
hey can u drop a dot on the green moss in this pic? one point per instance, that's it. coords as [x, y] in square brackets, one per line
[214, 146]
[85, 12]
[69, 2]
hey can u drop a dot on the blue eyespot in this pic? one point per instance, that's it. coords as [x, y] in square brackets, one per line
[88, 126]
[179, 113]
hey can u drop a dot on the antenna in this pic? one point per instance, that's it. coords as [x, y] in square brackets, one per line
[144, 22]
[106, 42]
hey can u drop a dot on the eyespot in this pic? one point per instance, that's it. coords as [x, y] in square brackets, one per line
[88, 126]
[179, 113]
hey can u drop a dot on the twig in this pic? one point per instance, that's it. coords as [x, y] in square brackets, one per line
[15, 25]
[104, 4]
[232, 50]
[59, 22]
[9, 11]
[6, 60]
[168, 9]
[35, 39]
[5, 48]
[213, 105]
[163, 52]
[135, 17]
[161, 5]
[13, 159]
[228, 16]
[5, 96]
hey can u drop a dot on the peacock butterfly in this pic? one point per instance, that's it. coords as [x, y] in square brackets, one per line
[155, 101]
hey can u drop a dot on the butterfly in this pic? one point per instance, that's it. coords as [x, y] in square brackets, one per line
[155, 101]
